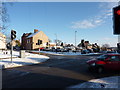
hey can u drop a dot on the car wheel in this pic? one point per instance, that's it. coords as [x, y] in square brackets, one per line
[100, 69]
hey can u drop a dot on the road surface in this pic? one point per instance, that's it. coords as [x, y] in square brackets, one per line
[57, 72]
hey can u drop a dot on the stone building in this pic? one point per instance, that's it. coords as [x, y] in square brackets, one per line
[2, 41]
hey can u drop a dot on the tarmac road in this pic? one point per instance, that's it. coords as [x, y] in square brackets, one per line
[57, 72]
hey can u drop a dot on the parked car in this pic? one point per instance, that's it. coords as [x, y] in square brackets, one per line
[90, 50]
[16, 48]
[105, 52]
[105, 62]
[41, 48]
[85, 51]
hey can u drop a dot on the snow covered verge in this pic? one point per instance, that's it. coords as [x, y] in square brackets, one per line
[8, 55]
[107, 82]
[5, 61]
[64, 53]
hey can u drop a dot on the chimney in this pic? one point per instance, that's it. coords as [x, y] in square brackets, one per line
[35, 30]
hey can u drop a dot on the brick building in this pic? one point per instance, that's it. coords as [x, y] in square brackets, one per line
[30, 40]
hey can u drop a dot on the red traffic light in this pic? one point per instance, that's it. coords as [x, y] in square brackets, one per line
[118, 12]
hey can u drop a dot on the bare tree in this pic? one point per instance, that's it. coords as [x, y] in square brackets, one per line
[106, 45]
[4, 17]
[58, 42]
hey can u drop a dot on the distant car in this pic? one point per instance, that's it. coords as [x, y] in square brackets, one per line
[58, 50]
[105, 52]
[16, 48]
[105, 62]
[46, 49]
[118, 51]
[41, 48]
[90, 50]
[85, 51]
[111, 52]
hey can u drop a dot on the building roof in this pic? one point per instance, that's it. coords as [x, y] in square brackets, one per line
[26, 34]
[32, 35]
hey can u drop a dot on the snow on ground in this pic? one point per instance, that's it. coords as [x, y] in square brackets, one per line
[64, 53]
[107, 82]
[28, 60]
[2, 55]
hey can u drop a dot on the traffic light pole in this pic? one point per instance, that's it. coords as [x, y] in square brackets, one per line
[13, 36]
[119, 34]
[11, 50]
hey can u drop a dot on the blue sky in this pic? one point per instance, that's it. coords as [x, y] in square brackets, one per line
[91, 20]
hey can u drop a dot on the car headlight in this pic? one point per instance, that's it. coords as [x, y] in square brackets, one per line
[93, 64]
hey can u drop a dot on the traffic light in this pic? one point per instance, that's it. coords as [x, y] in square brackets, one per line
[116, 20]
[13, 34]
[39, 42]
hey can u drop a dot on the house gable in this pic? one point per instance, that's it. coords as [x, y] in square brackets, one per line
[40, 36]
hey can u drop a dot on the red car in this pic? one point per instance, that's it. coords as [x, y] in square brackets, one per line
[105, 62]
[41, 48]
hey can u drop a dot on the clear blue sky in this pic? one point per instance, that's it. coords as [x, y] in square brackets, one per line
[91, 20]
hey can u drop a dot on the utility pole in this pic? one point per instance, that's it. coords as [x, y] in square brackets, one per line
[11, 49]
[118, 38]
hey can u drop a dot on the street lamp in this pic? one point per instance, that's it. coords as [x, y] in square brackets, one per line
[118, 38]
[56, 40]
[75, 38]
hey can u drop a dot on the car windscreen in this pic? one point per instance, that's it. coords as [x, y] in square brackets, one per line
[102, 57]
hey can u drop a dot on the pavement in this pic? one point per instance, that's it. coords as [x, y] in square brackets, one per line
[106, 82]
[5, 59]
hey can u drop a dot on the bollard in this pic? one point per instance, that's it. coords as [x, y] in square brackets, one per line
[22, 53]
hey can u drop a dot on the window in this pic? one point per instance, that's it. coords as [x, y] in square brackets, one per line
[114, 58]
[28, 40]
[103, 57]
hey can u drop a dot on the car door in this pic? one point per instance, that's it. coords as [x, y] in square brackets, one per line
[112, 63]
[119, 63]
